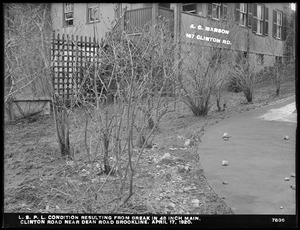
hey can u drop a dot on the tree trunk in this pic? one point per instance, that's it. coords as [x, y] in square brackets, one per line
[278, 91]
[107, 167]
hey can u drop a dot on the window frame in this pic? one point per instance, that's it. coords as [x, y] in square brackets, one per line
[190, 11]
[243, 14]
[90, 7]
[260, 21]
[218, 7]
[68, 8]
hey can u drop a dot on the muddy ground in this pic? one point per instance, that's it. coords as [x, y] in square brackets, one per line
[38, 179]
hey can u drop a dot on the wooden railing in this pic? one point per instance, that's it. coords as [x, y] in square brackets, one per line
[168, 16]
[167, 13]
[138, 20]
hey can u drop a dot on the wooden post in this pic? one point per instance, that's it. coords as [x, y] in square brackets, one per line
[154, 13]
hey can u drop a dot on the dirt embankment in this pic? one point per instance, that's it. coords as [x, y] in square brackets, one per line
[170, 178]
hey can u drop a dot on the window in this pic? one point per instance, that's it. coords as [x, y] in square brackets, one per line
[68, 14]
[216, 11]
[260, 24]
[289, 52]
[260, 19]
[93, 12]
[243, 14]
[189, 8]
[260, 59]
[277, 24]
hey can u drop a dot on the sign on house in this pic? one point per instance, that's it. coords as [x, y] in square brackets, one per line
[202, 34]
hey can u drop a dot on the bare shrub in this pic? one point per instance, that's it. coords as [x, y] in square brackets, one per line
[26, 52]
[247, 74]
[136, 73]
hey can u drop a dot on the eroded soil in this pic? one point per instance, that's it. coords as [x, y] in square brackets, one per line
[38, 179]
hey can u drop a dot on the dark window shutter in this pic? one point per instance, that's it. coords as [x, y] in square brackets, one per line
[254, 20]
[254, 10]
[266, 28]
[237, 12]
[254, 26]
[283, 26]
[250, 17]
[225, 8]
[221, 11]
[274, 21]
[266, 22]
[209, 9]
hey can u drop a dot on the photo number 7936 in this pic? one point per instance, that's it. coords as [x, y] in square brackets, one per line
[278, 220]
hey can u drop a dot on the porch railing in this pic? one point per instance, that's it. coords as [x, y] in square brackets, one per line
[137, 20]
[168, 15]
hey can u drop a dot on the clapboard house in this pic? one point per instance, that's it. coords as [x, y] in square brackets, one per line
[262, 27]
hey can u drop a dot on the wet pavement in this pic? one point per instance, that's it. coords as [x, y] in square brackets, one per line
[259, 157]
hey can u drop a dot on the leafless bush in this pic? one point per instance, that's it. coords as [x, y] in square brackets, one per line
[205, 79]
[246, 72]
[136, 73]
[205, 65]
[26, 49]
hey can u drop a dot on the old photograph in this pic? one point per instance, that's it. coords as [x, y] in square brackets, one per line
[140, 109]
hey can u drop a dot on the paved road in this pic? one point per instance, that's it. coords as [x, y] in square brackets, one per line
[259, 159]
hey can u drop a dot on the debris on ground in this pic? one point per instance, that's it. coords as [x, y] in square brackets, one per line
[195, 203]
[286, 179]
[293, 187]
[293, 175]
[286, 137]
[165, 156]
[225, 163]
[188, 142]
[225, 136]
